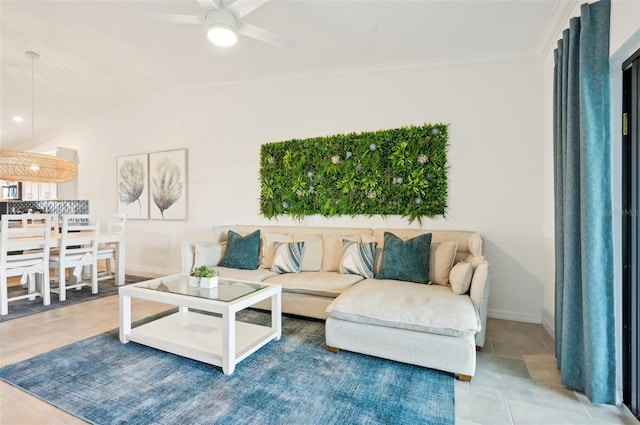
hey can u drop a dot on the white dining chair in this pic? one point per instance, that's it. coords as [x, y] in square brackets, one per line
[24, 251]
[78, 248]
[38, 221]
[107, 252]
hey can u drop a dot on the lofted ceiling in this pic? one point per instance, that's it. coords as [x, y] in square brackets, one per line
[97, 56]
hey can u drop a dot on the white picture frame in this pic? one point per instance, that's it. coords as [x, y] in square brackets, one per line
[168, 185]
[133, 186]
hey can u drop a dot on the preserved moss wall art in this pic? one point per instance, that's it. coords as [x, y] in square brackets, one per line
[400, 171]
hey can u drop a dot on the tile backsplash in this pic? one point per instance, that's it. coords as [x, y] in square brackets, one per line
[49, 207]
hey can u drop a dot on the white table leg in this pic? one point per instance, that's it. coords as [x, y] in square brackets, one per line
[125, 317]
[228, 342]
[276, 314]
[31, 286]
[120, 255]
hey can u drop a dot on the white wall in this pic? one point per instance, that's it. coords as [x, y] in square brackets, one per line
[494, 109]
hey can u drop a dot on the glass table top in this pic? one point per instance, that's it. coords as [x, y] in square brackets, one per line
[226, 291]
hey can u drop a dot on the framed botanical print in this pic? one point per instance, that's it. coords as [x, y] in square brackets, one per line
[133, 187]
[168, 185]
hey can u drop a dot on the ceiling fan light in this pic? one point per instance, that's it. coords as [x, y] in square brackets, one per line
[222, 35]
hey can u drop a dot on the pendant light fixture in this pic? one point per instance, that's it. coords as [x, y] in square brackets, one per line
[31, 166]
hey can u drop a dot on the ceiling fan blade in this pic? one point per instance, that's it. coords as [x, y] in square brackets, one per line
[172, 19]
[265, 36]
[207, 5]
[242, 8]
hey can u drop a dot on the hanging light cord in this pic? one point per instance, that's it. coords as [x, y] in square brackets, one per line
[33, 99]
[33, 56]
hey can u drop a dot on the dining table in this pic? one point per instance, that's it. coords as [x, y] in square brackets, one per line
[117, 239]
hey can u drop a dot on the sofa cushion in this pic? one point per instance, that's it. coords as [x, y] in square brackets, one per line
[324, 284]
[441, 256]
[287, 257]
[474, 260]
[267, 246]
[207, 254]
[406, 305]
[243, 252]
[257, 275]
[405, 260]
[357, 258]
[332, 250]
[312, 259]
[460, 277]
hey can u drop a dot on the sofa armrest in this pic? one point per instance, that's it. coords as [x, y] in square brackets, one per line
[479, 294]
[207, 253]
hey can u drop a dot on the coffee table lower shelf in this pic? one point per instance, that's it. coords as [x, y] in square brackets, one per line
[199, 336]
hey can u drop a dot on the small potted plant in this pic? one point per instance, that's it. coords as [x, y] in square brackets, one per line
[204, 276]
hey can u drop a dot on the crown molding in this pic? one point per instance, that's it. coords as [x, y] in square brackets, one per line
[380, 67]
[557, 21]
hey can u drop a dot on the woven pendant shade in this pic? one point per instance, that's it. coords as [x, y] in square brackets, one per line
[30, 166]
[35, 167]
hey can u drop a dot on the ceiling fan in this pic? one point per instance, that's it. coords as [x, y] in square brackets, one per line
[225, 21]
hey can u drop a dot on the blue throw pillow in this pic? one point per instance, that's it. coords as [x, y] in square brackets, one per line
[405, 260]
[243, 252]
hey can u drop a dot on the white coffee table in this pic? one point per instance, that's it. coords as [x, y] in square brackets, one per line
[220, 341]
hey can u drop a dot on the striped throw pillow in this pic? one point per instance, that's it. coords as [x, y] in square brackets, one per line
[287, 257]
[357, 258]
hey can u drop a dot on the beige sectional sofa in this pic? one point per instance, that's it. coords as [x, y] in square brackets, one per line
[424, 324]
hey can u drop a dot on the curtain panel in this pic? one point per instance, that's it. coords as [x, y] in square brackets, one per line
[584, 302]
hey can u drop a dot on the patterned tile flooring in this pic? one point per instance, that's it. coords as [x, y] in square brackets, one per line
[516, 381]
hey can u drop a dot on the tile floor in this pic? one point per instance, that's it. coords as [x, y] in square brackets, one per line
[516, 381]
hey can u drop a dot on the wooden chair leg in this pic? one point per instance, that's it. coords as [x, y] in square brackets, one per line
[4, 302]
[333, 349]
[62, 284]
[94, 277]
[44, 287]
[464, 378]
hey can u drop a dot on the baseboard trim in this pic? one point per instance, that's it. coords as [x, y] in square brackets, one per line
[548, 323]
[516, 316]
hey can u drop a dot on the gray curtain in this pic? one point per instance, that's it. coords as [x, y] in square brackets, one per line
[584, 310]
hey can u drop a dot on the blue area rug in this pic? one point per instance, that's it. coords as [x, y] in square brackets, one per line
[21, 308]
[291, 381]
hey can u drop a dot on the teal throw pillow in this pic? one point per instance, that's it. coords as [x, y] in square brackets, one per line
[287, 257]
[405, 260]
[357, 258]
[243, 252]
